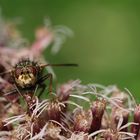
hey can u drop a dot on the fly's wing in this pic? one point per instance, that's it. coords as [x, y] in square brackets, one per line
[50, 70]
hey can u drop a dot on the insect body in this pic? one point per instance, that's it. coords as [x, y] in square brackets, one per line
[27, 75]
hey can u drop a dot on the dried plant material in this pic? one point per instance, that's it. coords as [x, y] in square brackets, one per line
[71, 112]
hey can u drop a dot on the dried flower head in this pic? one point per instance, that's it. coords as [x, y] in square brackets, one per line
[73, 112]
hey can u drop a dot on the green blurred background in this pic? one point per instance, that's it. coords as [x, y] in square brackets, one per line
[106, 44]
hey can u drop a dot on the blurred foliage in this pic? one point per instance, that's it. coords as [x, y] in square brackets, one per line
[106, 41]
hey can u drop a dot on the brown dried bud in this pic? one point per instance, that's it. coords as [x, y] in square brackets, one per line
[64, 91]
[116, 115]
[82, 120]
[135, 128]
[97, 109]
[53, 111]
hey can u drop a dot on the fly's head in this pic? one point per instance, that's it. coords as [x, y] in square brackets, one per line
[25, 73]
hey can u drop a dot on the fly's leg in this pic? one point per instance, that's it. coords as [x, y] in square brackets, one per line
[43, 87]
[42, 79]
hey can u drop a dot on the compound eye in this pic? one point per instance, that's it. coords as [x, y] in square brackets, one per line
[32, 70]
[18, 72]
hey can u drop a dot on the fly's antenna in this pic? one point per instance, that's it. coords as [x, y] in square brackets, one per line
[61, 65]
